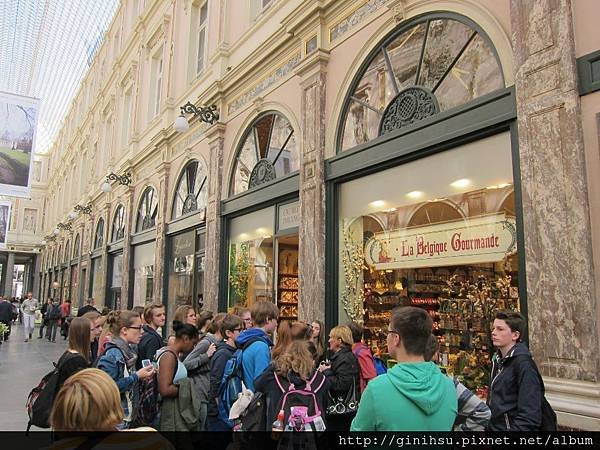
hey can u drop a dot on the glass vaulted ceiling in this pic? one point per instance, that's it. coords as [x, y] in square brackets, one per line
[46, 47]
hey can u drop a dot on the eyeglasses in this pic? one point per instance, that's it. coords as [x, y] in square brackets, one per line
[137, 328]
[237, 329]
[393, 332]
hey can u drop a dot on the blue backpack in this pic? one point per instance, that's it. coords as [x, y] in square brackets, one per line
[230, 386]
[380, 366]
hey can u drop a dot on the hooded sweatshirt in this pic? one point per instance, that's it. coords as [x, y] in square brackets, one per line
[409, 397]
[256, 354]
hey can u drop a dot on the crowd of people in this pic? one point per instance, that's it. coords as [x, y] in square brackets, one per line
[288, 377]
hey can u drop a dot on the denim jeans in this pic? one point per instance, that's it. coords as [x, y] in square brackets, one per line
[51, 329]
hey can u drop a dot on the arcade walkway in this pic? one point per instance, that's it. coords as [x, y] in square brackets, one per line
[22, 365]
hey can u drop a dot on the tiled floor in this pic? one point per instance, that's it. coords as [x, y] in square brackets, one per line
[22, 365]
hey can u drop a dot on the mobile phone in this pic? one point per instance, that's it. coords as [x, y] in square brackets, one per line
[146, 363]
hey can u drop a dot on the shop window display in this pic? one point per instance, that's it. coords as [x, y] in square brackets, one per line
[448, 62]
[181, 270]
[143, 269]
[263, 267]
[443, 240]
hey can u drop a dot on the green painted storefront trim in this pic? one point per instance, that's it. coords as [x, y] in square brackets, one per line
[588, 71]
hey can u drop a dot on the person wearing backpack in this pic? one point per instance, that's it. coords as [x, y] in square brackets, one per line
[516, 397]
[198, 361]
[256, 343]
[75, 358]
[118, 360]
[54, 313]
[292, 381]
[230, 329]
[363, 355]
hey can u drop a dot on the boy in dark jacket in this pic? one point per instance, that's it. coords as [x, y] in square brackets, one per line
[231, 326]
[515, 392]
[151, 341]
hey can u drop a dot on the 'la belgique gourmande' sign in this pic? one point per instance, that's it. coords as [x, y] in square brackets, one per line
[468, 241]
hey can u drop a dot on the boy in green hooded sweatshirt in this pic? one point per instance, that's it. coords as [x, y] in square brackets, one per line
[414, 395]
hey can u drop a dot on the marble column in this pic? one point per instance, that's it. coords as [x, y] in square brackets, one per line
[215, 135]
[160, 261]
[562, 308]
[8, 279]
[36, 267]
[311, 262]
[130, 215]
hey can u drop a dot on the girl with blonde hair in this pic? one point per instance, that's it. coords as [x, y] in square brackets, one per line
[343, 374]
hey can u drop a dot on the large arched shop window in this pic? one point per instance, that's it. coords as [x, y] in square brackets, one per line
[76, 246]
[147, 210]
[191, 193]
[99, 235]
[118, 225]
[430, 65]
[268, 150]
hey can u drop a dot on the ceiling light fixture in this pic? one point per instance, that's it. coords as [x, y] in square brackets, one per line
[462, 183]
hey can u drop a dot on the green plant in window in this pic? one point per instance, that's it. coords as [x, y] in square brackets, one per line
[353, 296]
[239, 275]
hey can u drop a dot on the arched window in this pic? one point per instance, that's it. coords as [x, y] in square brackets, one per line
[192, 189]
[67, 255]
[434, 212]
[268, 150]
[118, 225]
[147, 210]
[99, 235]
[426, 66]
[76, 246]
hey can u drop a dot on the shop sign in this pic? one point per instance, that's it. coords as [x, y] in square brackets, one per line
[469, 241]
[289, 216]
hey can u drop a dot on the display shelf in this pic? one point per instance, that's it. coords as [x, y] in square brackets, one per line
[287, 303]
[287, 289]
[290, 275]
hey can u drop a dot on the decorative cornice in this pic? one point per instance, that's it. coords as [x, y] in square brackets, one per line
[340, 28]
[268, 81]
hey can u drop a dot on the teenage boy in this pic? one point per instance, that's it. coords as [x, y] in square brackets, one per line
[256, 343]
[154, 316]
[413, 395]
[363, 354]
[516, 391]
[231, 327]
[29, 307]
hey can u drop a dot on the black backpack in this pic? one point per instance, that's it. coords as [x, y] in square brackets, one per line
[41, 398]
[54, 312]
[549, 422]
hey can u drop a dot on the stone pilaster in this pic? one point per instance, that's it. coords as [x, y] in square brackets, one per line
[160, 261]
[560, 278]
[105, 282]
[311, 263]
[130, 216]
[8, 279]
[215, 136]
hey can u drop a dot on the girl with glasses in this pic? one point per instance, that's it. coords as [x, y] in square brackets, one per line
[119, 359]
